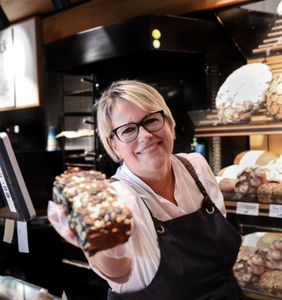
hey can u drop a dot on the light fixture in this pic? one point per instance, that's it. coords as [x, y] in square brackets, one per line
[4, 22]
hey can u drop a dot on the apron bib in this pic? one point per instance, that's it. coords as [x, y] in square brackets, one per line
[198, 251]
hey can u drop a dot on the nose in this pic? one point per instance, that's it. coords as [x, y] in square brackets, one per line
[143, 133]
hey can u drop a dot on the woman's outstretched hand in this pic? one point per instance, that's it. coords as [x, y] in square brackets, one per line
[58, 218]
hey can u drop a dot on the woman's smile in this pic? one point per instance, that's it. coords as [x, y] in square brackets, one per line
[149, 149]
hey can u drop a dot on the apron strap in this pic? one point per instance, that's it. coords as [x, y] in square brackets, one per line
[157, 222]
[207, 200]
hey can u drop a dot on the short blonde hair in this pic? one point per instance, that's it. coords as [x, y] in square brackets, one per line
[141, 94]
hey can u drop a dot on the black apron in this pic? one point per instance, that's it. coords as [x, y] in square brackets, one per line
[198, 251]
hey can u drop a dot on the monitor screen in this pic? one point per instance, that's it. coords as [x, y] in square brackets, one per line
[15, 202]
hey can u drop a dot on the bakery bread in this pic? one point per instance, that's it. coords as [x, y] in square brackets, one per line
[268, 238]
[254, 158]
[270, 192]
[95, 213]
[243, 93]
[250, 266]
[248, 182]
[274, 98]
[271, 280]
[265, 192]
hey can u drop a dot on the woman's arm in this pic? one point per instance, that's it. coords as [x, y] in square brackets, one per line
[114, 268]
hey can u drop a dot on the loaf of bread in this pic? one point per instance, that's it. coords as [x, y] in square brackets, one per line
[271, 280]
[95, 213]
[243, 93]
[274, 98]
[248, 182]
[249, 268]
[254, 158]
[270, 192]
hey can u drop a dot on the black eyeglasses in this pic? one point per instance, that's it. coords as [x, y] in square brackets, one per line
[129, 132]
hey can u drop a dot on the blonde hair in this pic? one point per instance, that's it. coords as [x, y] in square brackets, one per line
[141, 94]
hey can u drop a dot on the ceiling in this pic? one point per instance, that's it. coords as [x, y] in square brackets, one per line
[62, 18]
[16, 10]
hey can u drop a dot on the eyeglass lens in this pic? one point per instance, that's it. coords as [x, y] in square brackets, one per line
[151, 123]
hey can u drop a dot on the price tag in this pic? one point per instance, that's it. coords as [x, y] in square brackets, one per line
[275, 211]
[247, 208]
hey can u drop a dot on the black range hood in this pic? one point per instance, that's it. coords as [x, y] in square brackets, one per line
[134, 37]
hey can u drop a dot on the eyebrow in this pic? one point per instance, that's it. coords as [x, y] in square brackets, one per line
[136, 123]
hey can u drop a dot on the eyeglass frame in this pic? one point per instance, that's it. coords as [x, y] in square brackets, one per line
[139, 124]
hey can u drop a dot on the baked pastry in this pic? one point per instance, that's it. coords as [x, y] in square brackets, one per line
[274, 98]
[277, 194]
[248, 182]
[271, 280]
[243, 93]
[95, 213]
[249, 268]
[265, 192]
[268, 238]
[270, 192]
[255, 157]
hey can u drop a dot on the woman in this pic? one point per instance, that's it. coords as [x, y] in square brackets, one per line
[181, 247]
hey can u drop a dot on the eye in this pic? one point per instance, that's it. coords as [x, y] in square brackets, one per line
[127, 130]
[151, 120]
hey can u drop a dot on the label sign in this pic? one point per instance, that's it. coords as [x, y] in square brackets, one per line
[246, 208]
[6, 192]
[275, 211]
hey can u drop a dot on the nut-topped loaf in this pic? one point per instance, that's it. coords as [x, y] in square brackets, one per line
[95, 213]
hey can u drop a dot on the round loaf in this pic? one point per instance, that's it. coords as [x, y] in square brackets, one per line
[274, 98]
[243, 93]
[271, 280]
[255, 157]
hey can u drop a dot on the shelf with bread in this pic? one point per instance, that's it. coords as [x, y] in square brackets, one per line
[252, 185]
[258, 267]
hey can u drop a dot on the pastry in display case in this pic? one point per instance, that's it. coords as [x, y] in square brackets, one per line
[259, 263]
[252, 177]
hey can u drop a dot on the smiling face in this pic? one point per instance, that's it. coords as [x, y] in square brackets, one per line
[149, 154]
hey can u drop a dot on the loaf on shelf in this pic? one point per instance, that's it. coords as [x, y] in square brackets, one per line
[270, 192]
[261, 267]
[274, 98]
[255, 175]
[243, 93]
[248, 182]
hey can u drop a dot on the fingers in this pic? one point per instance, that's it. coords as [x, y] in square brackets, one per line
[58, 218]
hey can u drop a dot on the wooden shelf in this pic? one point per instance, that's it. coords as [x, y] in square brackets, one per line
[239, 129]
[253, 293]
[263, 208]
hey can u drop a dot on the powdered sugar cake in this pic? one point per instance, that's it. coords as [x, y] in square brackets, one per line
[95, 213]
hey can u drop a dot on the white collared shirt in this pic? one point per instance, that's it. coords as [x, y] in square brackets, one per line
[142, 247]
